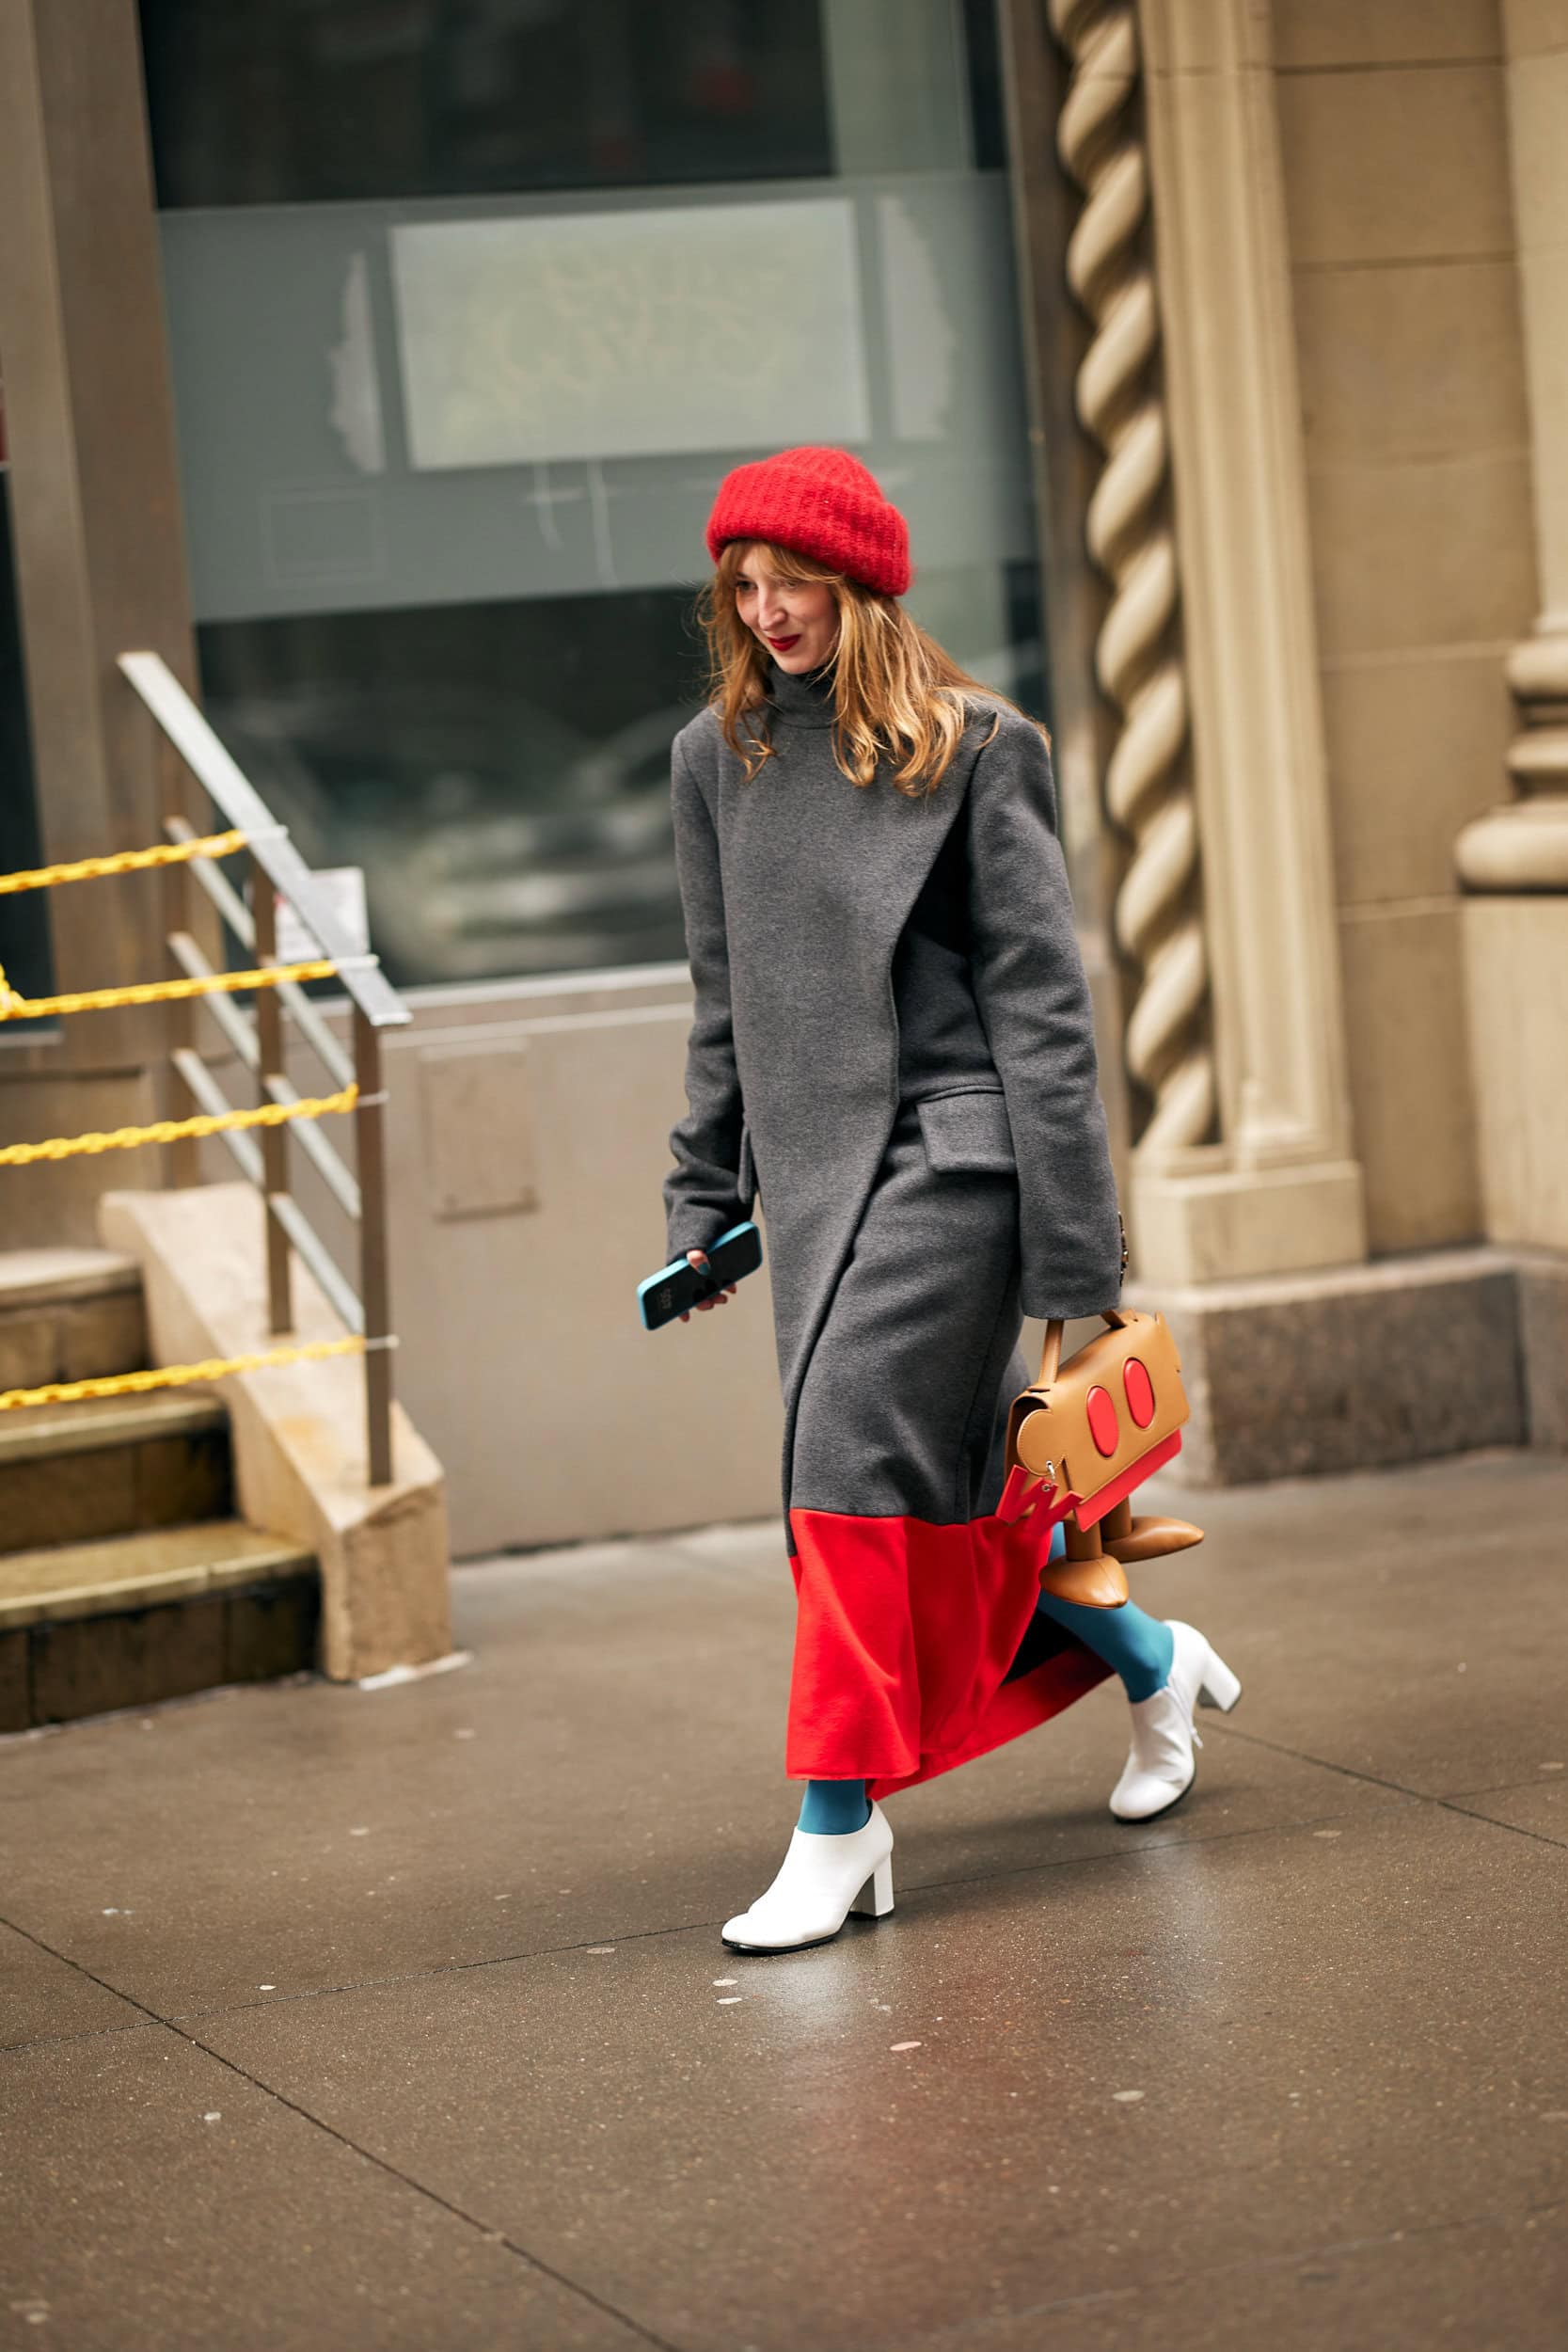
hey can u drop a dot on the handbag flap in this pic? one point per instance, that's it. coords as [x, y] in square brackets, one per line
[1116, 1401]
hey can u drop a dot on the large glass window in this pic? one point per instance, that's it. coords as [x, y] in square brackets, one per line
[458, 370]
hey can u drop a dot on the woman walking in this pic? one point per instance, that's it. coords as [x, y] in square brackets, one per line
[891, 1049]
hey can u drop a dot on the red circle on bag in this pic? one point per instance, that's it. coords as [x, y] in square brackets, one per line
[1140, 1391]
[1102, 1420]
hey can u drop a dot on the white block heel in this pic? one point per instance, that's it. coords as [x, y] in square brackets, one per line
[1159, 1763]
[822, 1879]
[1219, 1687]
[881, 1883]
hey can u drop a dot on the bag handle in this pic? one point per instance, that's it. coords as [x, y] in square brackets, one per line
[1051, 1357]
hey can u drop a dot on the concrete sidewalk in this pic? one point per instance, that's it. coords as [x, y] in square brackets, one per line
[343, 2019]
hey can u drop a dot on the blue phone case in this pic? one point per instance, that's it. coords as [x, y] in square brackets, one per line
[645, 1291]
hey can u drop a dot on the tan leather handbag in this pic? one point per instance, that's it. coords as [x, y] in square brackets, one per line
[1082, 1437]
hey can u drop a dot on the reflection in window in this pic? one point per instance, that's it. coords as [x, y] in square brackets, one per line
[292, 102]
[501, 771]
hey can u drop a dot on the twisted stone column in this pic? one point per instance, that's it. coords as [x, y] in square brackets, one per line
[1189, 387]
[1158, 913]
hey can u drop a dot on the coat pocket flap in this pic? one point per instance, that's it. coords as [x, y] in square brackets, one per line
[967, 1134]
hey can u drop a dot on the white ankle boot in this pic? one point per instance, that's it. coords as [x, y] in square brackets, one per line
[1160, 1766]
[822, 1879]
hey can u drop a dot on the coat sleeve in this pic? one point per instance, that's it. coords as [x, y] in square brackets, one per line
[702, 1190]
[1033, 999]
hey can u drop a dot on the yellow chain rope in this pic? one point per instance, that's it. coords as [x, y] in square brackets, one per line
[123, 862]
[14, 1008]
[177, 1130]
[174, 1375]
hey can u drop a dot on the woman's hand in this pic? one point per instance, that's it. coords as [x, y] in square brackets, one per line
[698, 1257]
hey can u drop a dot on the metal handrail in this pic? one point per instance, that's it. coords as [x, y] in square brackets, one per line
[218, 772]
[247, 1157]
[239, 1029]
[232, 908]
[278, 873]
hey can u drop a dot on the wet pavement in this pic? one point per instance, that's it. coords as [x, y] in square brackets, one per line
[400, 2018]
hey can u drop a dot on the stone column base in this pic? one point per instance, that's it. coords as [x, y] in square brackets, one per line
[1239, 1222]
[1544, 1345]
[1355, 1366]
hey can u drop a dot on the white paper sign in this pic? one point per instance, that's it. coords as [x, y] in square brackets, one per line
[631, 334]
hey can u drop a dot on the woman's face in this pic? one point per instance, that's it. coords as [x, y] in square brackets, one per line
[796, 620]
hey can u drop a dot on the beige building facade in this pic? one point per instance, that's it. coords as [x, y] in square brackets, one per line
[1397, 160]
[1291, 299]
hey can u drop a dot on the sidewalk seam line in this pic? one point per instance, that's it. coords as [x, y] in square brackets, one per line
[366, 2156]
[1118, 1853]
[90, 2033]
[690, 1927]
[1376, 1780]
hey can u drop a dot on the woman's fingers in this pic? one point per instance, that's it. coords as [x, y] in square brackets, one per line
[698, 1257]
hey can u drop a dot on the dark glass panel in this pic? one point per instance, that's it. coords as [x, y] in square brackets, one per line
[501, 771]
[303, 101]
[23, 919]
[1026, 634]
[987, 111]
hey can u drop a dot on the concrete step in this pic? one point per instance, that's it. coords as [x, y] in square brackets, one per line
[69, 1314]
[86, 1627]
[114, 1466]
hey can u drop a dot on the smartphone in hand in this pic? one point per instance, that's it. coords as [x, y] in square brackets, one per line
[680, 1286]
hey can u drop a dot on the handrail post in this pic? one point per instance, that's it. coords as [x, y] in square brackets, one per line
[374, 1286]
[184, 1157]
[274, 1143]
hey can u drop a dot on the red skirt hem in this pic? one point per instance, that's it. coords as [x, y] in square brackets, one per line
[1017, 1708]
[905, 1632]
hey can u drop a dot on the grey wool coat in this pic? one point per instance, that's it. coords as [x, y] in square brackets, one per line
[796, 887]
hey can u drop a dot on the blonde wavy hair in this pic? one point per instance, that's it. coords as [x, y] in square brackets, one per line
[897, 695]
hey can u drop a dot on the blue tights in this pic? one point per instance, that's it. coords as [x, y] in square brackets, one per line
[1138, 1647]
[835, 1806]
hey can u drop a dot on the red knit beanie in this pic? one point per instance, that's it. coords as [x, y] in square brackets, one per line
[820, 502]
